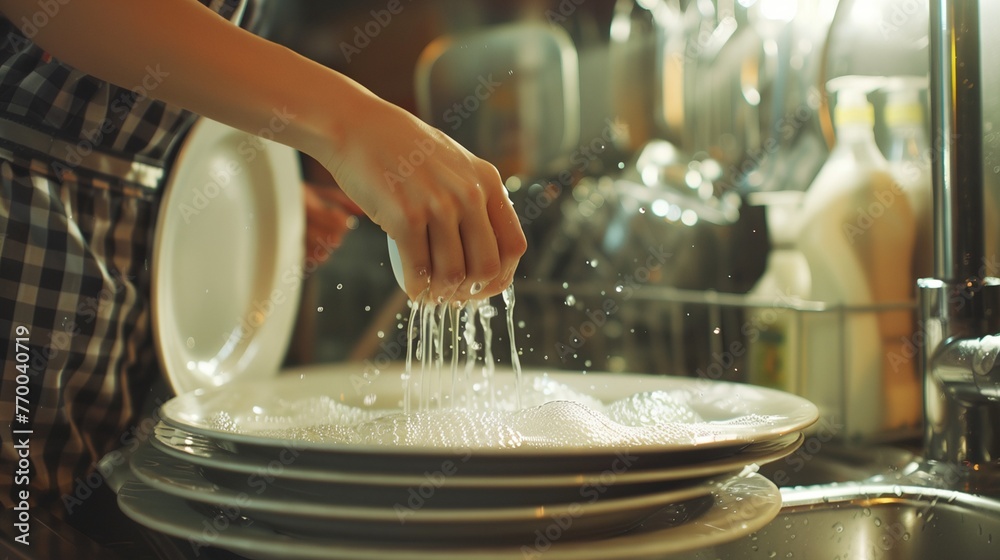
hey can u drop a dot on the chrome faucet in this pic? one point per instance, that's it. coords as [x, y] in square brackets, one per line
[960, 306]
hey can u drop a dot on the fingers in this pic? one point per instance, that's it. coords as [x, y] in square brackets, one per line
[510, 240]
[415, 258]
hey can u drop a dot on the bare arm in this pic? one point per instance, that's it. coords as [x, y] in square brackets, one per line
[449, 213]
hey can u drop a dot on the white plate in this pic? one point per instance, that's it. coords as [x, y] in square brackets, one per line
[272, 404]
[741, 505]
[229, 244]
[419, 512]
[176, 475]
[285, 465]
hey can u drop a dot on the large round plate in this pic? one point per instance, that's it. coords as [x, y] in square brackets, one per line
[421, 512]
[267, 404]
[285, 467]
[227, 258]
[741, 505]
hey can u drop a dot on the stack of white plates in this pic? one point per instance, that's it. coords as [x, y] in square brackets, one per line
[250, 462]
[238, 467]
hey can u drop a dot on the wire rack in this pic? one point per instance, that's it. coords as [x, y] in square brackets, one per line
[866, 385]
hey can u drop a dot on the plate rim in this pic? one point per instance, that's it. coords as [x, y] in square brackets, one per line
[703, 532]
[278, 328]
[806, 414]
[221, 495]
[666, 474]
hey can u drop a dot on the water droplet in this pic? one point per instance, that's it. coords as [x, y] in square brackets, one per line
[716, 330]
[381, 334]
[878, 522]
[319, 309]
[520, 324]
[838, 527]
[190, 342]
[867, 512]
[593, 263]
[368, 308]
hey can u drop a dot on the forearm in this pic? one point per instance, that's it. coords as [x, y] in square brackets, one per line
[203, 63]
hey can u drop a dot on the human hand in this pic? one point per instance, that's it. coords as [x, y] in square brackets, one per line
[328, 215]
[447, 210]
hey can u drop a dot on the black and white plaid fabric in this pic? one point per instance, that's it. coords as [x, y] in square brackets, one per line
[75, 247]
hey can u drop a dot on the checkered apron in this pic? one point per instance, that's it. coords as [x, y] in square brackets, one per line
[76, 232]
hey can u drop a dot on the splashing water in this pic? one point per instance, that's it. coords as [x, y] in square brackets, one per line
[438, 333]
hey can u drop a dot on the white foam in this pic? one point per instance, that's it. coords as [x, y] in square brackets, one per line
[554, 416]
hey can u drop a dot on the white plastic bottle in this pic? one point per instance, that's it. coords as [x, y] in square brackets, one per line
[856, 235]
[909, 159]
[772, 325]
[910, 165]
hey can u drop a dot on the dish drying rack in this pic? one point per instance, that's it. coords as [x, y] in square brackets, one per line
[722, 336]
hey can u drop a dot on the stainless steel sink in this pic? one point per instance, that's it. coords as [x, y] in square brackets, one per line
[869, 521]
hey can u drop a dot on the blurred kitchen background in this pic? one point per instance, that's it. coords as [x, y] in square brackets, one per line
[661, 155]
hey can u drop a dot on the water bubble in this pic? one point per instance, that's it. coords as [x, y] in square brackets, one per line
[381, 334]
[190, 342]
[319, 309]
[570, 300]
[878, 522]
[716, 330]
[520, 324]
[368, 308]
[838, 527]
[565, 285]
[340, 286]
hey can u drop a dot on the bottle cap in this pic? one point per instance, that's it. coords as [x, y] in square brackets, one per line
[852, 106]
[903, 105]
